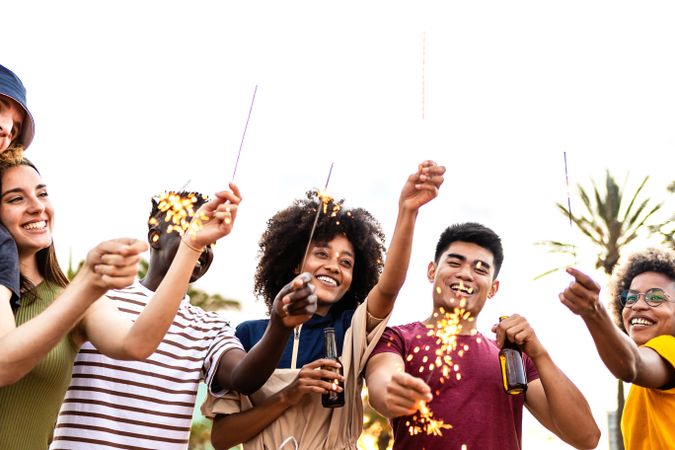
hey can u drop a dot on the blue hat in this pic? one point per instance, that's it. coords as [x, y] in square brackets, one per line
[12, 87]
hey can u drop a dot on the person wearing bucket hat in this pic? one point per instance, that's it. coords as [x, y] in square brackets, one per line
[16, 133]
[16, 122]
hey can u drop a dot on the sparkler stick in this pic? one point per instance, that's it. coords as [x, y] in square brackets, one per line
[569, 206]
[241, 144]
[424, 54]
[184, 186]
[316, 219]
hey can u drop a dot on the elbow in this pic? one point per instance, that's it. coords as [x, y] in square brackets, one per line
[220, 439]
[591, 440]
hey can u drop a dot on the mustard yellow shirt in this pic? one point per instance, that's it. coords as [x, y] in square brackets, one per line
[648, 420]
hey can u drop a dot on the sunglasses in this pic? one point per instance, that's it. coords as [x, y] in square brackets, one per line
[653, 297]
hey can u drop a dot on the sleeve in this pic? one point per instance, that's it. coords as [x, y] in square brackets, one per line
[530, 369]
[391, 342]
[230, 403]
[664, 346]
[225, 340]
[9, 266]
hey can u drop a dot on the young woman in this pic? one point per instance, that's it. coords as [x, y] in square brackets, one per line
[641, 349]
[39, 341]
[344, 261]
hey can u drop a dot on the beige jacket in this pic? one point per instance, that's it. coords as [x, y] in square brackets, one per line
[309, 424]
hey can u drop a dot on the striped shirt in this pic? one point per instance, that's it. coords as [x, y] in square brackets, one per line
[143, 404]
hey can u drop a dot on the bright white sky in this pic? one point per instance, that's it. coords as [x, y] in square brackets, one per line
[131, 98]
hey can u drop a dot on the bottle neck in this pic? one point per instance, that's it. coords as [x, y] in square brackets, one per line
[330, 344]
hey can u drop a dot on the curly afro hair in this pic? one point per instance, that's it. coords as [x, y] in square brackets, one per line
[283, 245]
[648, 260]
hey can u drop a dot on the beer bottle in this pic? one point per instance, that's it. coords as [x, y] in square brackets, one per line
[332, 398]
[513, 370]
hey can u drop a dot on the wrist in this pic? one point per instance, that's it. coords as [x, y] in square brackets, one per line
[187, 240]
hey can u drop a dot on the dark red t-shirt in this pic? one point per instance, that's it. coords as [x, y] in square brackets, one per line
[481, 414]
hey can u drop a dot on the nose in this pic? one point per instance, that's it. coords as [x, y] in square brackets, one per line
[35, 206]
[640, 304]
[465, 272]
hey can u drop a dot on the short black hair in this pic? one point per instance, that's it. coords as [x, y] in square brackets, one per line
[283, 244]
[474, 233]
[648, 260]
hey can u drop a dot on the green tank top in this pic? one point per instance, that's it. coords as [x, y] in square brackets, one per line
[28, 408]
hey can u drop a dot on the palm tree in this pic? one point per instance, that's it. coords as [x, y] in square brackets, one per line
[610, 220]
[667, 229]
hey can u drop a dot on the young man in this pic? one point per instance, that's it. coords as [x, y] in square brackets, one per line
[149, 404]
[16, 131]
[461, 384]
[641, 349]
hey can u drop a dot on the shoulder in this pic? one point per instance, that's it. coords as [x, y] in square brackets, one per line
[250, 331]
[665, 346]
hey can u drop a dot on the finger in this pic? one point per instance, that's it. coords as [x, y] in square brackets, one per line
[321, 362]
[112, 259]
[583, 279]
[114, 271]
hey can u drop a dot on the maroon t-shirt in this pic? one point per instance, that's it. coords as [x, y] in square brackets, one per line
[469, 396]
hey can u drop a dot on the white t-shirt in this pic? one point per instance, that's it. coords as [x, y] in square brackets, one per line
[143, 404]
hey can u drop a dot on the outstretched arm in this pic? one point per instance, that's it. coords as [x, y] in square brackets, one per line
[247, 372]
[628, 362]
[420, 188]
[119, 338]
[110, 265]
[392, 391]
[553, 399]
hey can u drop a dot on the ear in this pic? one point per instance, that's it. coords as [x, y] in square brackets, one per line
[493, 289]
[431, 271]
[153, 238]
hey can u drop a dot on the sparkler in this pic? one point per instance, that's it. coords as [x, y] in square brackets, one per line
[446, 329]
[241, 144]
[324, 199]
[569, 206]
[179, 210]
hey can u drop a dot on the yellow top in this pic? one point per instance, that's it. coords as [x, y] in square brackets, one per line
[648, 420]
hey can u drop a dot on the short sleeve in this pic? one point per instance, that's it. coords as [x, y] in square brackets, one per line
[664, 346]
[224, 341]
[9, 266]
[391, 341]
[530, 369]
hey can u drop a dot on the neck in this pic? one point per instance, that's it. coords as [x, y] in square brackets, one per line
[29, 268]
[152, 279]
[452, 319]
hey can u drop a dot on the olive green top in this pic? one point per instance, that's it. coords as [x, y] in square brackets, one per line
[28, 408]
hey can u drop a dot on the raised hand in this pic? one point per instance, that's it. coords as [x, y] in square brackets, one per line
[114, 263]
[404, 394]
[312, 379]
[296, 302]
[582, 296]
[217, 216]
[422, 186]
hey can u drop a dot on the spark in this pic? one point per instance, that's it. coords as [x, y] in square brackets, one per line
[179, 210]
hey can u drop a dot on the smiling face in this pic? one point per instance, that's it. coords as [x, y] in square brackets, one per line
[463, 276]
[12, 116]
[25, 209]
[332, 267]
[644, 322]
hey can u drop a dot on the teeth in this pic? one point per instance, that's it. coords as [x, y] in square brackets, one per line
[461, 288]
[327, 280]
[640, 321]
[36, 225]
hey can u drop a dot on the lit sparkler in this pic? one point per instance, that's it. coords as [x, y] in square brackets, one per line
[179, 210]
[447, 326]
[324, 199]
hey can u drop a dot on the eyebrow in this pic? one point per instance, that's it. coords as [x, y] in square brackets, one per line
[10, 191]
[326, 245]
[463, 258]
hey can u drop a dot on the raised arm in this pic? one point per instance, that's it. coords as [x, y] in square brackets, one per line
[119, 338]
[110, 265]
[628, 362]
[553, 399]
[420, 188]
